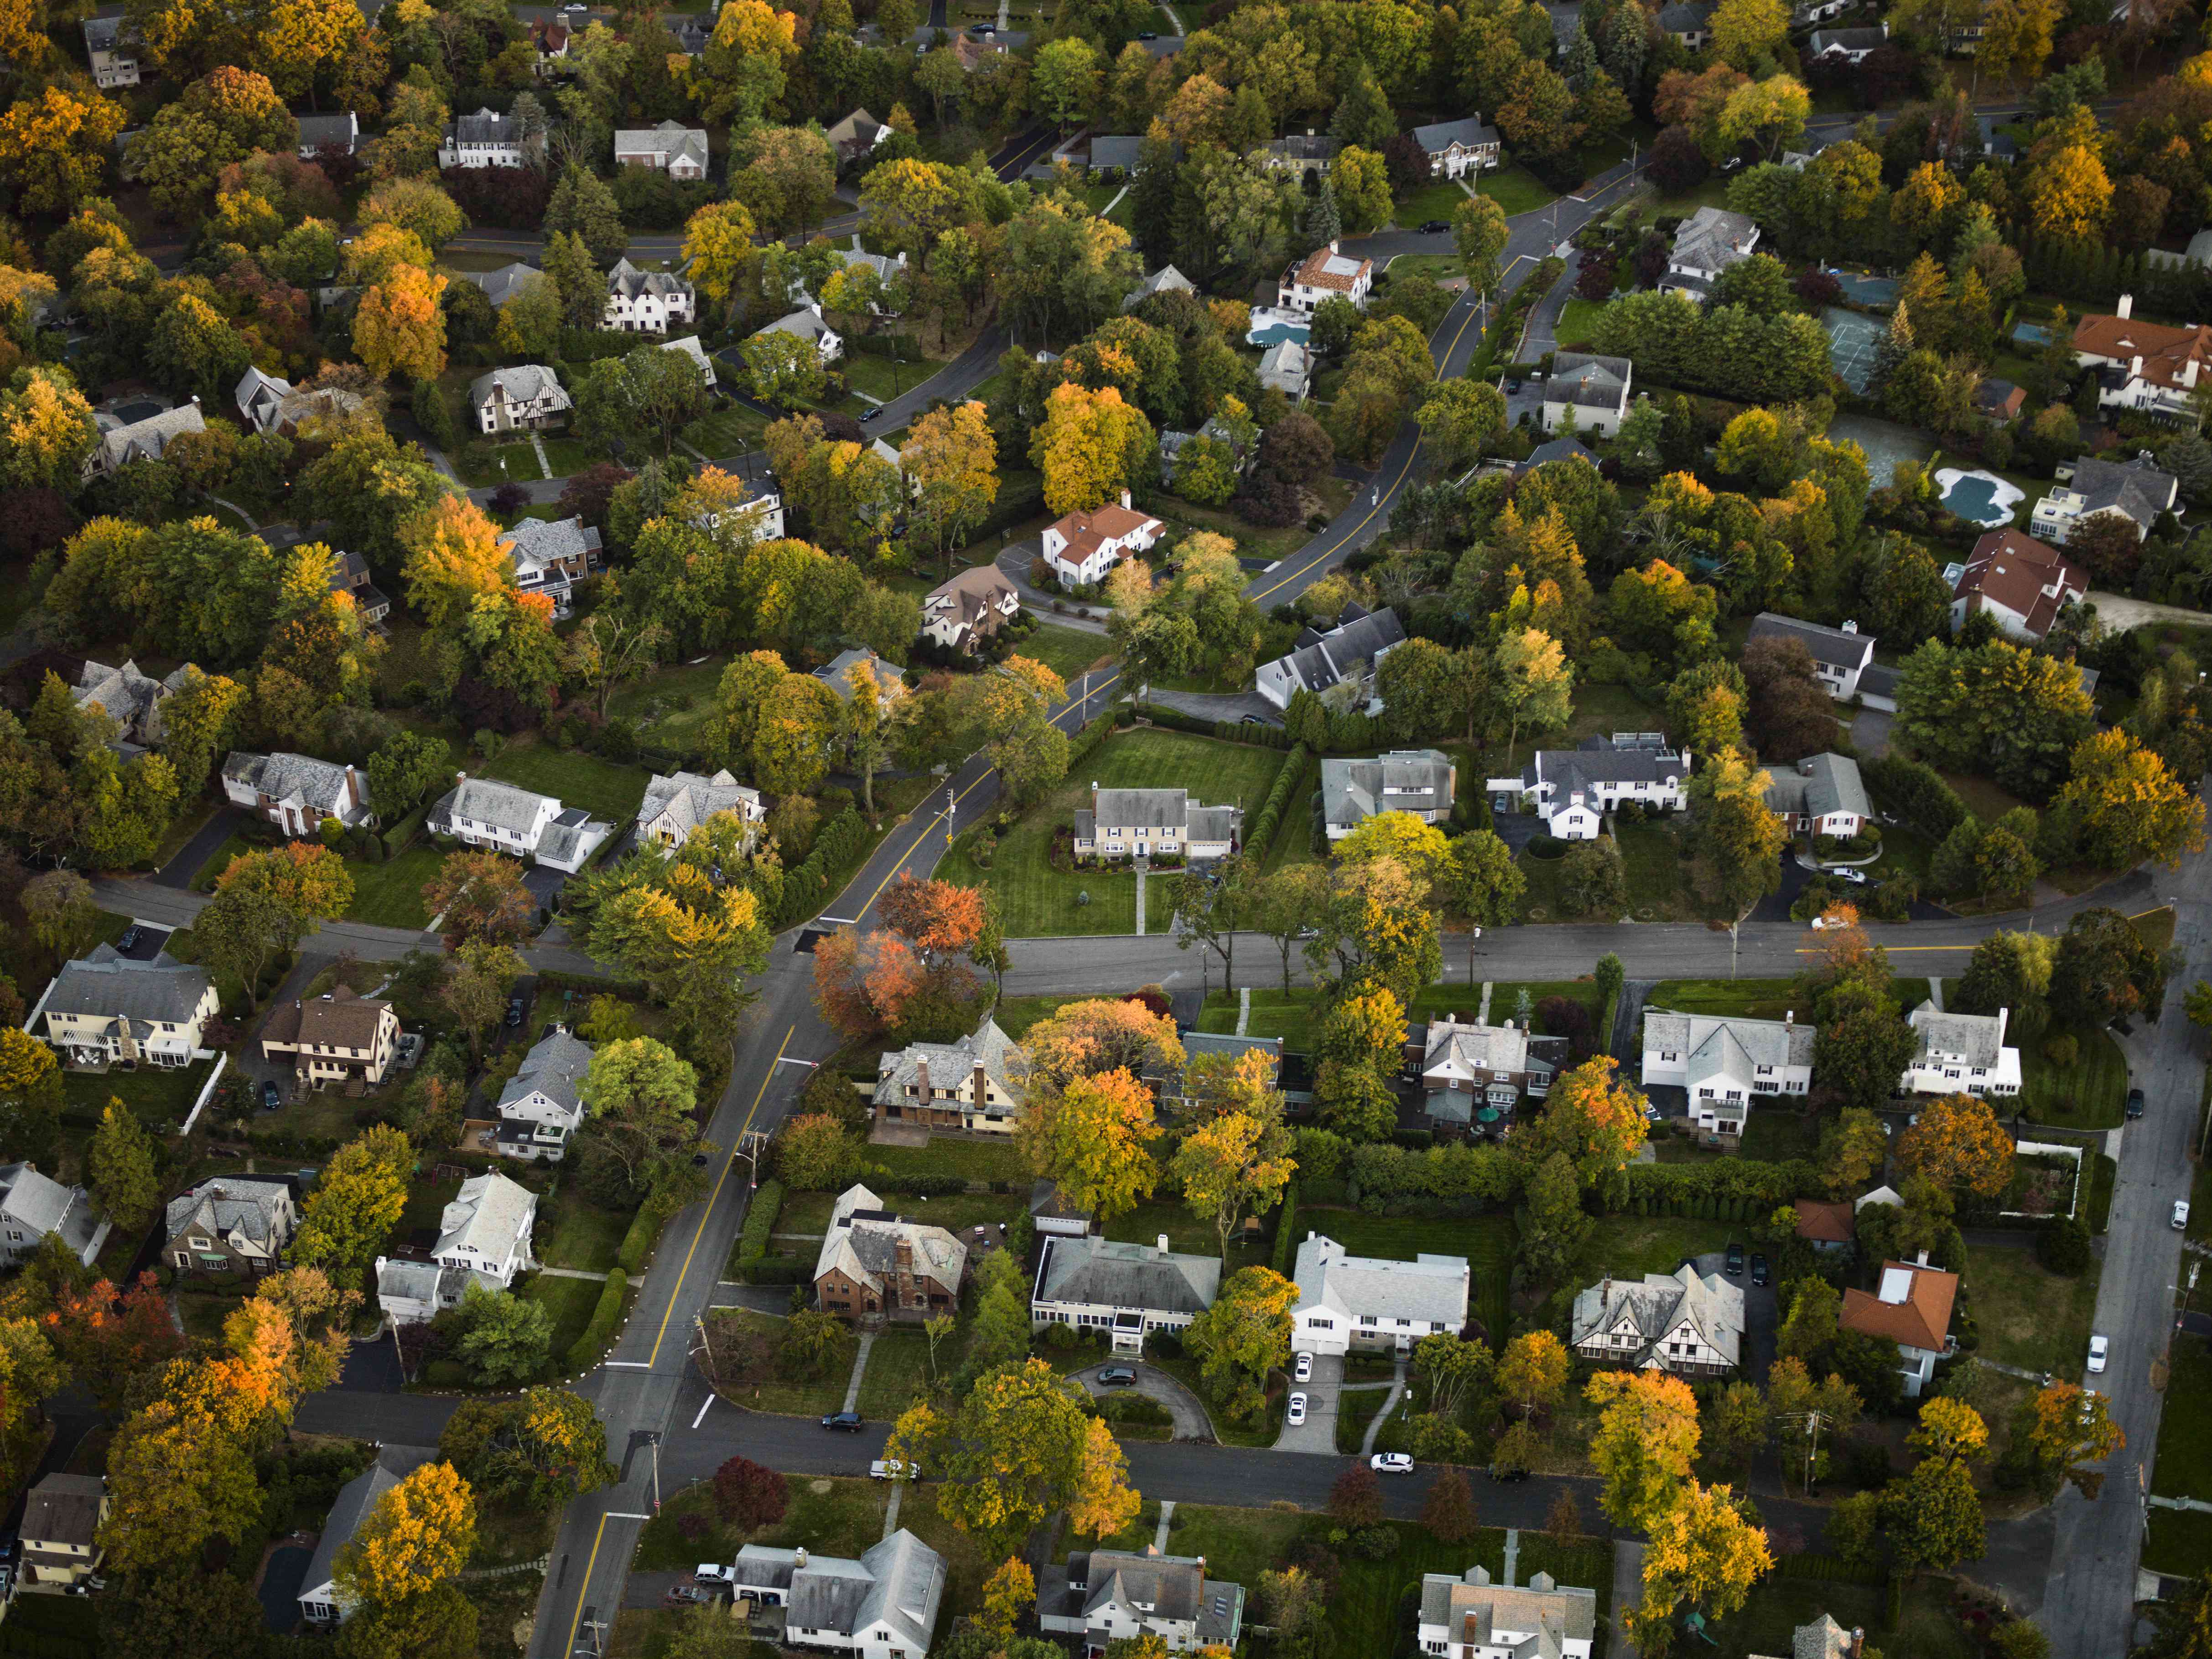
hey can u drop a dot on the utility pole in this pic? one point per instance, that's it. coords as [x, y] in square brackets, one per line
[951, 803]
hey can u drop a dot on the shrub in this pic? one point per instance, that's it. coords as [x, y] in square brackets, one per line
[445, 1374]
[604, 1318]
[1375, 1543]
[760, 1219]
[2063, 1050]
[2063, 1247]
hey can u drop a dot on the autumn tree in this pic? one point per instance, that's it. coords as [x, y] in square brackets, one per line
[1018, 1449]
[951, 463]
[1099, 1035]
[1532, 1372]
[356, 1204]
[1007, 1594]
[1595, 1115]
[1706, 1551]
[1242, 1336]
[1236, 1163]
[397, 1571]
[1449, 1510]
[1958, 1145]
[1091, 446]
[2064, 1434]
[640, 1093]
[2132, 809]
[1092, 1138]
[398, 326]
[749, 1495]
[1645, 1444]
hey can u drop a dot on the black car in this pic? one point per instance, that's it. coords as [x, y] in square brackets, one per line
[1117, 1376]
[1436, 228]
[1734, 1261]
[271, 1098]
[2135, 1102]
[981, 30]
[129, 942]
[1504, 1476]
[871, 412]
[850, 1422]
[1758, 1270]
[515, 1011]
[1147, 35]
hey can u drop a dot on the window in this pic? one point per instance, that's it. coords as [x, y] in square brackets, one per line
[1312, 1324]
[1367, 1319]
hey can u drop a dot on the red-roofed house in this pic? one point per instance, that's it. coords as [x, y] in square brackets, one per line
[1827, 1227]
[1081, 548]
[1911, 1306]
[2146, 366]
[1327, 273]
[2022, 582]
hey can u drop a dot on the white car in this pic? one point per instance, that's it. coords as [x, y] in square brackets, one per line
[2098, 1349]
[1297, 1409]
[1822, 921]
[2180, 1214]
[1391, 1463]
[714, 1572]
[1857, 877]
[890, 1469]
[1303, 1371]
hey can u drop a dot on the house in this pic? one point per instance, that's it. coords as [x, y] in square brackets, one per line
[1307, 154]
[518, 398]
[411, 1292]
[1824, 1638]
[1419, 781]
[234, 1225]
[837, 674]
[1573, 789]
[294, 792]
[1840, 655]
[1999, 400]
[679, 803]
[1846, 45]
[1828, 1228]
[1155, 824]
[1888, 1196]
[486, 139]
[2020, 582]
[2135, 491]
[856, 135]
[507, 818]
[329, 135]
[1822, 795]
[874, 1265]
[111, 46]
[671, 148]
[689, 346]
[1690, 23]
[320, 1602]
[551, 556]
[1322, 659]
[1053, 1215]
[1125, 1595]
[1166, 280]
[884, 1606]
[1724, 1064]
[973, 53]
[1172, 443]
[692, 36]
[1458, 147]
[1710, 240]
[1221, 1045]
[139, 440]
[1806, 13]
[1327, 273]
[1911, 1306]
[1960, 1053]
[1347, 1301]
[1082, 547]
[978, 1085]
[543, 1103]
[806, 324]
[551, 38]
[485, 1231]
[2146, 367]
[1126, 1290]
[350, 576]
[503, 284]
[647, 301]
[32, 1206]
[1461, 1060]
[1684, 1324]
[1470, 1618]
[1100, 152]
[267, 403]
[1569, 447]
[1287, 366]
[763, 514]
[132, 700]
[60, 1533]
[338, 1037]
[963, 612]
[1593, 391]
[106, 1009]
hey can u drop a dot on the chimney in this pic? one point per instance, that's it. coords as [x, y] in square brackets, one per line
[460, 778]
[2003, 1014]
[1851, 625]
[1332, 245]
[1163, 1246]
[1805, 767]
[195, 400]
[1126, 502]
[799, 1555]
[1922, 1259]
[1543, 1584]
[1858, 1642]
[1310, 1235]
[2188, 373]
[981, 1084]
[1790, 1017]
[2126, 307]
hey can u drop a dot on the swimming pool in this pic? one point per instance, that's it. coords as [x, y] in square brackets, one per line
[1980, 498]
[1276, 333]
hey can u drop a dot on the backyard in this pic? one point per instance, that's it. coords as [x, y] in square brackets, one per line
[2025, 1315]
[606, 791]
[2090, 1094]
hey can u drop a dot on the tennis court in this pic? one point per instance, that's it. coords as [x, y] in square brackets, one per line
[1852, 342]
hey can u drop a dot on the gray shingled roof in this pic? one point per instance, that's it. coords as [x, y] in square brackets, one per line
[420, 1281]
[1116, 150]
[1844, 647]
[998, 1054]
[1092, 1271]
[1975, 1036]
[1599, 762]
[1555, 1613]
[2135, 488]
[1590, 382]
[679, 141]
[36, 1202]
[145, 440]
[691, 799]
[1685, 19]
[486, 126]
[487, 1212]
[1468, 131]
[1170, 1584]
[1657, 1305]
[104, 983]
[522, 383]
[356, 1499]
[1321, 658]
[63, 1509]
[626, 280]
[336, 131]
[1430, 1288]
[554, 1068]
[1866, 40]
[233, 1204]
[1144, 809]
[503, 805]
[1712, 239]
[501, 285]
[1401, 780]
[540, 541]
[1819, 785]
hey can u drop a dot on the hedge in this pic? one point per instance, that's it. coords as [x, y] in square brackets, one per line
[637, 1244]
[760, 1220]
[1827, 1569]
[1263, 736]
[1286, 1228]
[1080, 745]
[403, 834]
[1260, 835]
[837, 847]
[604, 1318]
[776, 1270]
[922, 1186]
[1915, 792]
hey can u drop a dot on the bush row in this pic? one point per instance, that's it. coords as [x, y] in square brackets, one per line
[1260, 833]
[1827, 1569]
[1286, 1228]
[1758, 1189]
[1913, 791]
[604, 1318]
[1100, 728]
[837, 847]
[776, 1270]
[637, 1244]
[1461, 1178]
[1265, 737]
[760, 1220]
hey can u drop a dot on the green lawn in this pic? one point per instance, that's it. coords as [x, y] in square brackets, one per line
[1065, 650]
[2090, 1094]
[1769, 1620]
[1035, 900]
[1439, 200]
[977, 1160]
[1185, 1233]
[883, 379]
[1239, 1544]
[572, 1233]
[158, 1097]
[898, 1370]
[1439, 267]
[2027, 1316]
[1711, 193]
[1016, 1015]
[726, 432]
[1577, 321]
[390, 894]
[571, 1302]
[1364, 1616]
[2184, 1437]
[1253, 542]
[481, 469]
[1658, 873]
[767, 1389]
[1747, 998]
[672, 705]
[1777, 1133]
[204, 879]
[2179, 1542]
[605, 790]
[570, 456]
[1486, 1242]
[833, 1517]
[1516, 189]
[1630, 1246]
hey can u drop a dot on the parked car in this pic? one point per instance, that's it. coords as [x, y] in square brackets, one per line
[982, 30]
[1734, 1261]
[1503, 1474]
[714, 1572]
[1302, 1372]
[1297, 1410]
[1857, 877]
[1391, 1463]
[890, 1469]
[679, 1594]
[850, 1422]
[1436, 228]
[2135, 1102]
[871, 412]
[514, 1007]
[1758, 1270]
[1117, 1376]
[2180, 1214]
[1148, 34]
[129, 942]
[271, 1096]
[2099, 1347]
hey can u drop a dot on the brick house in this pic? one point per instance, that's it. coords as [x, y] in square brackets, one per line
[876, 1266]
[978, 1083]
[236, 1226]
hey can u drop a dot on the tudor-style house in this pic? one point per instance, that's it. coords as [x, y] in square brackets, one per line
[336, 1038]
[1368, 1303]
[60, 1533]
[1155, 824]
[1592, 391]
[1456, 148]
[884, 1606]
[506, 818]
[874, 1265]
[486, 139]
[32, 1206]
[551, 556]
[1960, 1053]
[1082, 547]
[543, 1103]
[1573, 789]
[2148, 367]
[1471, 1617]
[1116, 1596]
[677, 805]
[233, 1225]
[2135, 491]
[1840, 655]
[1418, 782]
[979, 1084]
[1822, 795]
[132, 699]
[1724, 1064]
[1126, 1290]
[671, 148]
[647, 301]
[961, 614]
[485, 1231]
[1679, 1322]
[518, 398]
[1327, 273]
[295, 792]
[1710, 241]
[268, 403]
[105, 1009]
[2019, 582]
[1911, 1306]
[1319, 658]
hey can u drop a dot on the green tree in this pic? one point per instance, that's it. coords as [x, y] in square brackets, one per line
[582, 204]
[505, 1339]
[356, 1204]
[122, 1165]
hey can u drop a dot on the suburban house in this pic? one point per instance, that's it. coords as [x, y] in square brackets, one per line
[2135, 491]
[806, 324]
[679, 803]
[269, 404]
[520, 398]
[1960, 1053]
[551, 556]
[320, 1603]
[131, 699]
[1302, 153]
[503, 284]
[1591, 391]
[111, 46]
[973, 54]
[1567, 447]
[1806, 13]
[1840, 655]
[837, 674]
[120, 444]
[689, 346]
[234, 1225]
[2149, 368]
[1320, 659]
[1466, 1068]
[32, 1206]
[486, 1231]
[486, 139]
[350, 576]
[1110, 152]
[295, 792]
[856, 135]
[2020, 582]
[1722, 1064]
[1683, 1322]
[1822, 795]
[409, 1292]
[961, 614]
[1155, 824]
[1828, 1228]
[1470, 1618]
[978, 1083]
[1911, 1306]
[884, 1606]
[1710, 241]
[106, 1009]
[338, 1037]
[543, 1103]
[331, 135]
[1327, 273]
[507, 818]
[646, 301]
[874, 1265]
[1114, 1595]
[1166, 280]
[763, 514]
[1287, 366]
[1082, 547]
[1690, 21]
[1573, 789]
[2000, 400]
[1201, 1045]
[671, 148]
[60, 1534]
[1846, 45]
[1172, 444]
[1416, 782]
[1824, 1638]
[1347, 1301]
[1458, 147]
[551, 38]
[1126, 1290]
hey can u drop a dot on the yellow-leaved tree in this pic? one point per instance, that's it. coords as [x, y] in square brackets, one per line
[1706, 1551]
[1103, 1501]
[399, 328]
[452, 555]
[1088, 447]
[1093, 1137]
[1645, 1445]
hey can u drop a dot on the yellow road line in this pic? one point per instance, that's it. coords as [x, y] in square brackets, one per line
[1894, 950]
[677, 1288]
[584, 1588]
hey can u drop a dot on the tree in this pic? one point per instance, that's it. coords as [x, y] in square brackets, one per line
[951, 463]
[1101, 1034]
[1064, 80]
[355, 1205]
[1861, 1052]
[50, 430]
[1932, 1517]
[301, 884]
[453, 557]
[123, 1168]
[1532, 1372]
[416, 1538]
[2066, 1433]
[785, 370]
[1449, 1510]
[1958, 1144]
[504, 1339]
[406, 770]
[1356, 1499]
[1243, 1335]
[1593, 1116]
[582, 205]
[1093, 1138]
[2105, 971]
[399, 327]
[1089, 446]
[480, 896]
[2132, 809]
[1460, 420]
[1704, 1550]
[1007, 1593]
[1018, 1450]
[1645, 1445]
[1233, 1164]
[749, 1495]
[53, 148]
[1852, 1148]
[1535, 684]
[1102, 1502]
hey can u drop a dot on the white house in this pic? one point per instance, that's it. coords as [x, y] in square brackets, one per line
[1471, 1617]
[679, 803]
[106, 1009]
[2148, 367]
[486, 1231]
[1347, 1301]
[1302, 152]
[1681, 1323]
[1822, 795]
[1573, 789]
[1723, 1064]
[647, 301]
[1690, 21]
[1710, 241]
[671, 148]
[111, 46]
[1166, 280]
[1457, 147]
[978, 1085]
[806, 324]
[2135, 491]
[1287, 366]
[1155, 824]
[884, 1606]
[1418, 782]
[543, 1103]
[1960, 1053]
[1840, 655]
[551, 556]
[1082, 547]
[32, 1206]
[2021, 583]
[1911, 1306]
[507, 818]
[120, 444]
[689, 346]
[518, 397]
[486, 139]
[1593, 390]
[1322, 658]
[1847, 45]
[1116, 1595]
[1327, 273]
[320, 1602]
[295, 792]
[414, 1292]
[856, 135]
[1126, 1290]
[335, 135]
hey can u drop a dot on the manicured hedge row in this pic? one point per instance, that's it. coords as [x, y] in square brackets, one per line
[604, 1318]
[1753, 1190]
[1286, 1229]
[760, 1220]
[1260, 835]
[837, 847]
[776, 1270]
[637, 1244]
[1263, 737]
[1916, 792]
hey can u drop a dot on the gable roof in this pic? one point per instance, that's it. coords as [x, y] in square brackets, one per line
[1733, 1047]
[63, 1509]
[486, 126]
[1430, 1288]
[488, 1214]
[1602, 760]
[281, 776]
[972, 595]
[554, 1068]
[2133, 487]
[1588, 381]
[626, 280]
[671, 138]
[1825, 1223]
[2013, 571]
[520, 383]
[1817, 786]
[1659, 1304]
[103, 981]
[232, 1204]
[1320, 659]
[837, 672]
[689, 801]
[2167, 353]
[501, 285]
[40, 1205]
[1713, 239]
[1326, 267]
[931, 1064]
[144, 440]
[1355, 789]
[503, 805]
[540, 541]
[864, 1239]
[339, 1019]
[1844, 647]
[1910, 1305]
[1465, 1049]
[1473, 1610]
[1092, 1271]
[355, 1502]
[1979, 1037]
[1863, 39]
[1468, 132]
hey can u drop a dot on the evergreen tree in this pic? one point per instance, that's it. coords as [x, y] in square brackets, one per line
[1892, 350]
[1625, 48]
[431, 415]
[582, 289]
[1581, 60]
[1152, 201]
[1363, 113]
[1322, 224]
[583, 203]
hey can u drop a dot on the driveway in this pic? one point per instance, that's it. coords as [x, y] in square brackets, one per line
[1317, 1434]
[1759, 1316]
[1014, 563]
[1221, 706]
[1191, 1422]
[179, 871]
